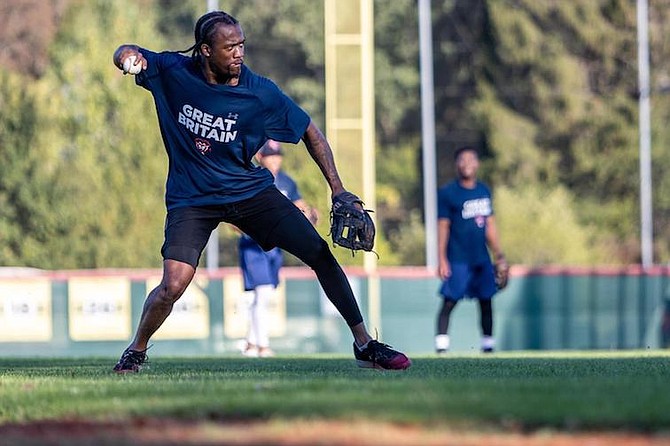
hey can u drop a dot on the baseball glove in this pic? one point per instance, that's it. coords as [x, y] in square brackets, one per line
[501, 271]
[351, 226]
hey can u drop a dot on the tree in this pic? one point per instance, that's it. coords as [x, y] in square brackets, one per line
[546, 90]
[90, 157]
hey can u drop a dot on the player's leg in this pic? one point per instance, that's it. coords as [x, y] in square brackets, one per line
[486, 321]
[484, 287]
[452, 290]
[264, 294]
[158, 305]
[250, 348]
[274, 221]
[297, 236]
[442, 341]
[259, 277]
[186, 233]
[259, 319]
[292, 232]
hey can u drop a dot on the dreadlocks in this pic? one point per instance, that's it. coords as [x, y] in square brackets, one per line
[204, 30]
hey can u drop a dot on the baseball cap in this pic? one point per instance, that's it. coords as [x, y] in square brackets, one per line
[270, 147]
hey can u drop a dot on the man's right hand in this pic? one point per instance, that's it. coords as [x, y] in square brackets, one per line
[124, 52]
[444, 270]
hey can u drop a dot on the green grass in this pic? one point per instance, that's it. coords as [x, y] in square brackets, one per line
[608, 391]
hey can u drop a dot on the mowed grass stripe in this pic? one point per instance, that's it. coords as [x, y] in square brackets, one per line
[584, 390]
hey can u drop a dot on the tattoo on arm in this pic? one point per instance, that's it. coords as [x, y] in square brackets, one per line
[320, 151]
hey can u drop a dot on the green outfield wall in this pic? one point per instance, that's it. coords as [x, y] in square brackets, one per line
[95, 312]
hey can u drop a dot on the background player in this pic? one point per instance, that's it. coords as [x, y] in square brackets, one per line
[466, 226]
[260, 269]
[214, 115]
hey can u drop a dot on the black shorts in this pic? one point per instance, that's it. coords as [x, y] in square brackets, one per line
[187, 229]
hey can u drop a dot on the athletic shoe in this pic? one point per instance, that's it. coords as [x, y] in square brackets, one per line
[442, 342]
[265, 352]
[488, 344]
[380, 356]
[250, 352]
[131, 361]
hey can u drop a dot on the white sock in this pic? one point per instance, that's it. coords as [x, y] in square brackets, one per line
[442, 342]
[259, 317]
[251, 333]
[488, 342]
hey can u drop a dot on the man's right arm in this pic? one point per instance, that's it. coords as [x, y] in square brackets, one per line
[125, 51]
[443, 231]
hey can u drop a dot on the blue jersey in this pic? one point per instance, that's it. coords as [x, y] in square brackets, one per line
[467, 211]
[287, 186]
[211, 132]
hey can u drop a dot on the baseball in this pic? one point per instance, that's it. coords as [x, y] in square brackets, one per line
[129, 66]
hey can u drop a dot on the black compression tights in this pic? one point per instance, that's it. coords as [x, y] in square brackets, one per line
[485, 314]
[296, 235]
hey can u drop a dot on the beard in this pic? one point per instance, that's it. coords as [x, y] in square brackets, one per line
[235, 70]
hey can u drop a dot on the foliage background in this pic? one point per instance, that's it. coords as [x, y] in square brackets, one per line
[546, 90]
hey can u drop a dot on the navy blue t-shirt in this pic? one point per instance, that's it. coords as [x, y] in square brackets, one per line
[211, 132]
[467, 211]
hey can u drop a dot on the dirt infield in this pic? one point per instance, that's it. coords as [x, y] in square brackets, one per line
[300, 433]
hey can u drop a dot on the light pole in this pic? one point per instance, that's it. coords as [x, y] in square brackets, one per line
[646, 209]
[428, 132]
[213, 242]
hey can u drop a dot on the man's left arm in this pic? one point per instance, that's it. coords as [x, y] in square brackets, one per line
[492, 239]
[322, 154]
[351, 226]
[500, 262]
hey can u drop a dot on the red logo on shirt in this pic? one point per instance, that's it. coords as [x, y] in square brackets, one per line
[203, 146]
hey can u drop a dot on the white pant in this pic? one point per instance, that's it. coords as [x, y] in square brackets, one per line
[258, 316]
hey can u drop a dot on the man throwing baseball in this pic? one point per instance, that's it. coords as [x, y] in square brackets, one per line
[214, 115]
[466, 226]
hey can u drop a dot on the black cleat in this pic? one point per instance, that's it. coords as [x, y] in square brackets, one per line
[131, 361]
[380, 356]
